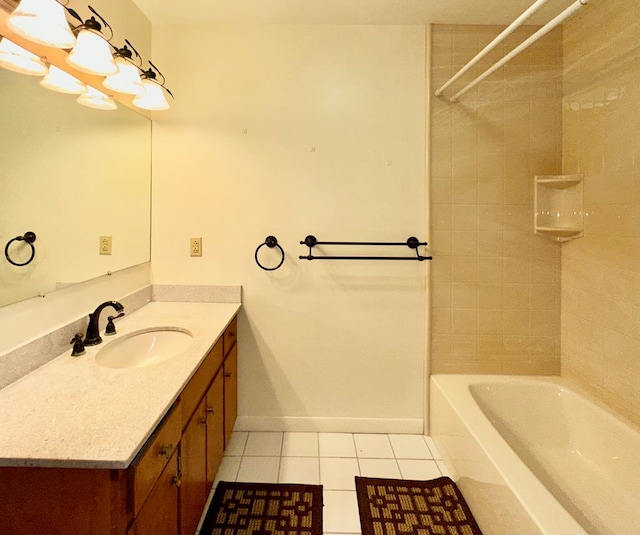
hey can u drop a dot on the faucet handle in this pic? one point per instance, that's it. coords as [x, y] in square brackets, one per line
[78, 345]
[111, 328]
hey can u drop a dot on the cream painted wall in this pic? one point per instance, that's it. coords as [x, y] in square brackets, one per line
[30, 319]
[296, 130]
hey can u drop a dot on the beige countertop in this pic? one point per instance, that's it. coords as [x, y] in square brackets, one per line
[71, 412]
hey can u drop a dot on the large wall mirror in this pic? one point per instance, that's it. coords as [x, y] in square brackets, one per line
[70, 174]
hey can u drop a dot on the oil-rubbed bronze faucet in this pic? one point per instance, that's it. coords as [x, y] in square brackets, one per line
[92, 337]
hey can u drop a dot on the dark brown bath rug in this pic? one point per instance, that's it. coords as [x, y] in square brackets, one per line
[402, 506]
[264, 509]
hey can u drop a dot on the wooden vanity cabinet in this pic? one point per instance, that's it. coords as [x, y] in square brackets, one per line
[230, 368]
[193, 469]
[215, 428]
[159, 515]
[165, 489]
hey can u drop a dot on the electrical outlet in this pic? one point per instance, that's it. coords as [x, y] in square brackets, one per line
[195, 246]
[105, 244]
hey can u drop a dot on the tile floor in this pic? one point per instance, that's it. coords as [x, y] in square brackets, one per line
[331, 460]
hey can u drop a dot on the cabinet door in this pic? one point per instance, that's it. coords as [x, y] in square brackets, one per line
[193, 491]
[159, 514]
[153, 458]
[230, 368]
[215, 428]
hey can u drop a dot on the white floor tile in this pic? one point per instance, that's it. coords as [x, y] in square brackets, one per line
[228, 470]
[300, 445]
[264, 443]
[418, 469]
[340, 513]
[373, 446]
[379, 468]
[259, 469]
[336, 445]
[338, 473]
[237, 443]
[410, 447]
[433, 448]
[304, 470]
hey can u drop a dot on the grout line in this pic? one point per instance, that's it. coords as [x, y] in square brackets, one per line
[280, 457]
[355, 448]
[318, 461]
[392, 449]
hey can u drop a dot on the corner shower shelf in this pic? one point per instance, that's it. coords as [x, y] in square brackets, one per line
[558, 207]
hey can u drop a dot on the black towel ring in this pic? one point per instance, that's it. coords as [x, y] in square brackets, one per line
[271, 242]
[29, 238]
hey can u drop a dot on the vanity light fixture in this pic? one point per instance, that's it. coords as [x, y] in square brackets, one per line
[153, 97]
[97, 100]
[43, 22]
[61, 81]
[92, 53]
[127, 79]
[17, 59]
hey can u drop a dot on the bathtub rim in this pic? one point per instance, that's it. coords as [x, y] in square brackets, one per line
[543, 508]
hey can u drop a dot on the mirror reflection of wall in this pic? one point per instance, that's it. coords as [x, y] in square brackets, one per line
[70, 174]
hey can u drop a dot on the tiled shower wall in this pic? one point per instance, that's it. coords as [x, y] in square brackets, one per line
[495, 285]
[601, 271]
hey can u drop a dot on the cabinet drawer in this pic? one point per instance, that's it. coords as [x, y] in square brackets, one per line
[198, 384]
[152, 459]
[230, 335]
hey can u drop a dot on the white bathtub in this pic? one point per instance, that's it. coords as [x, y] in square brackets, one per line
[533, 456]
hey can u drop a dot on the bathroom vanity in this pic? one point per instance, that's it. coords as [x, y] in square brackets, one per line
[87, 449]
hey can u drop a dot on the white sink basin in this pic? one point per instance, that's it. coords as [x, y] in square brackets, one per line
[145, 347]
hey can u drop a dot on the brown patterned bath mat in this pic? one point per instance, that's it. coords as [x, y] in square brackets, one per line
[402, 506]
[264, 509]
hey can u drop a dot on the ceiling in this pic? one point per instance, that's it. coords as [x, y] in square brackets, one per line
[161, 12]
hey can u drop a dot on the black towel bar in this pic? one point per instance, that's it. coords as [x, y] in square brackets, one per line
[412, 242]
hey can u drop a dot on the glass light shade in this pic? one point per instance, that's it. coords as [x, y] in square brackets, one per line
[15, 58]
[58, 80]
[43, 22]
[126, 80]
[96, 99]
[153, 97]
[92, 54]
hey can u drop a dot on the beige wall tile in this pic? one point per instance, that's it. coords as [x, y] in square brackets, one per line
[482, 188]
[490, 321]
[464, 217]
[490, 269]
[464, 243]
[464, 295]
[463, 321]
[601, 91]
[489, 295]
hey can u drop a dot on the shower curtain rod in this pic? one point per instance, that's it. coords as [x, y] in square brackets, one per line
[556, 21]
[503, 35]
